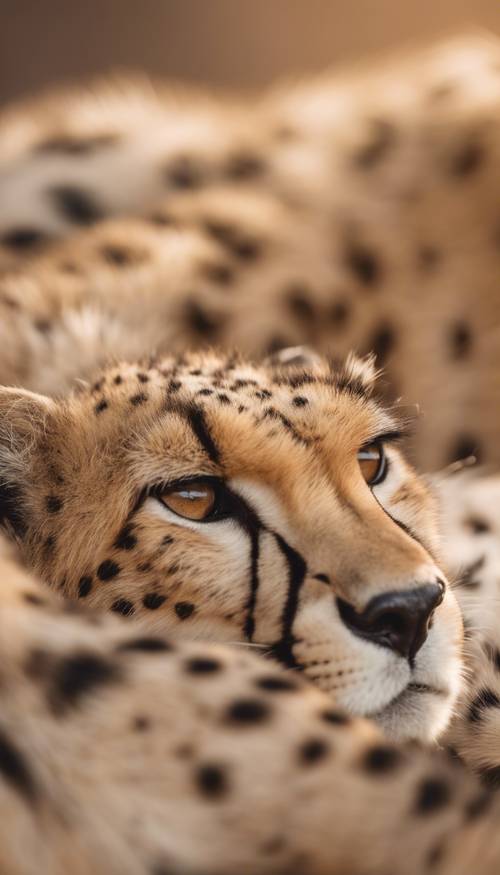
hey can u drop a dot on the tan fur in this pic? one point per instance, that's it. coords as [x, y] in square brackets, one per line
[353, 212]
[348, 214]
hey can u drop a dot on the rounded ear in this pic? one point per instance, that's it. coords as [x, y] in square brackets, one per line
[23, 417]
[361, 370]
[293, 357]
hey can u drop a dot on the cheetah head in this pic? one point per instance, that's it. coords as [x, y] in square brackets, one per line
[264, 505]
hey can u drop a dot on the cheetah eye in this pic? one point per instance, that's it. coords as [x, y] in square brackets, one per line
[373, 463]
[193, 501]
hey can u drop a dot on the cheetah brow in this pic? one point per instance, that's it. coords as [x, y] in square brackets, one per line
[392, 436]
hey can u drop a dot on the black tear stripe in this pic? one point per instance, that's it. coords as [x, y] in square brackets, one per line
[197, 421]
[282, 650]
[249, 627]
[252, 525]
[408, 531]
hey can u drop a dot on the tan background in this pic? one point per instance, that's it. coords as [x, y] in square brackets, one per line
[220, 42]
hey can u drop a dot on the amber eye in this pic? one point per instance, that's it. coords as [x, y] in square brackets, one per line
[194, 501]
[373, 463]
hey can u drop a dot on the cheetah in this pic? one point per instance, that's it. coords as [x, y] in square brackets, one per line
[253, 610]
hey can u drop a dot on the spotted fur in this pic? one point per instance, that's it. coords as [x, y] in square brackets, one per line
[138, 734]
[353, 213]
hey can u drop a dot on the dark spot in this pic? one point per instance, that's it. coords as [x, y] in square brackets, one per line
[432, 794]
[118, 380]
[183, 172]
[336, 718]
[205, 392]
[53, 504]
[323, 578]
[163, 220]
[436, 854]
[49, 544]
[218, 273]
[478, 806]
[101, 405]
[126, 539]
[121, 256]
[202, 665]
[200, 321]
[84, 587]
[247, 712]
[108, 569]
[145, 645]
[78, 675]
[465, 445]
[76, 206]
[23, 238]
[14, 769]
[484, 700]
[381, 758]
[460, 340]
[141, 724]
[364, 264]
[477, 525]
[139, 398]
[382, 343]
[338, 314]
[298, 300]
[240, 245]
[276, 684]
[184, 751]
[242, 166]
[428, 257]
[312, 751]
[276, 343]
[43, 326]
[69, 267]
[32, 598]
[223, 398]
[211, 780]
[122, 606]
[153, 600]
[381, 139]
[467, 160]
[166, 541]
[184, 610]
[273, 846]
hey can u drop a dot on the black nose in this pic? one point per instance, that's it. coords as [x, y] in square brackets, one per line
[399, 620]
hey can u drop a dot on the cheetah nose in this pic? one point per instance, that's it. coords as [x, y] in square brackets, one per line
[398, 620]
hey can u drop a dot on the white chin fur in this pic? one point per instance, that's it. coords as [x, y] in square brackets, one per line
[416, 717]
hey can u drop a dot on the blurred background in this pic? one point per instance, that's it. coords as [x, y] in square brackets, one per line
[236, 43]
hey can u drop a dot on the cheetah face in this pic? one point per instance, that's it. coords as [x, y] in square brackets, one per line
[264, 506]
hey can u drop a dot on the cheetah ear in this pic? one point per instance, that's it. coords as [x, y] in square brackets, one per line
[303, 357]
[361, 370]
[23, 418]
